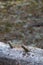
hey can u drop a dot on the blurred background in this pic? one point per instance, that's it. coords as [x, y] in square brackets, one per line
[17, 20]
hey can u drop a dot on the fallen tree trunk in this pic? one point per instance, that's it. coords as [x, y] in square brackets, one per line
[17, 56]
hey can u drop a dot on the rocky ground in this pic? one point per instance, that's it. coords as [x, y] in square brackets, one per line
[16, 18]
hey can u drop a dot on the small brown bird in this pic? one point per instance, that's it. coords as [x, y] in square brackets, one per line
[26, 49]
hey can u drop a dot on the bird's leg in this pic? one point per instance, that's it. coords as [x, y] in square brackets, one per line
[10, 44]
[25, 49]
